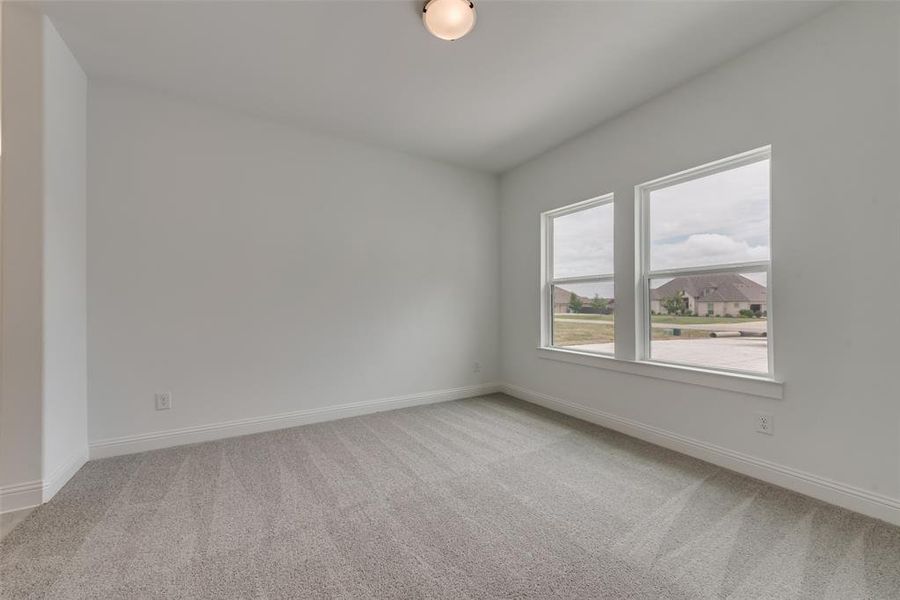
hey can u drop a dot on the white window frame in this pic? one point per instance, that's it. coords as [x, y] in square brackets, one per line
[548, 280]
[645, 274]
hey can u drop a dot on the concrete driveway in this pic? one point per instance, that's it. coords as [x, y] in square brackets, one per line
[740, 354]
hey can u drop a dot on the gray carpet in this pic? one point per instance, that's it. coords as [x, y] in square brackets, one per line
[480, 498]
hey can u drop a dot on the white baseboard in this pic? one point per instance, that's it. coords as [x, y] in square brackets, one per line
[34, 493]
[62, 474]
[833, 492]
[21, 495]
[214, 431]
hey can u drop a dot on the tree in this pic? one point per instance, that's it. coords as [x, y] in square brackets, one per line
[676, 304]
[599, 303]
[575, 303]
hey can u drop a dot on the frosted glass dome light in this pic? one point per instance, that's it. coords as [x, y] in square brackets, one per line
[449, 19]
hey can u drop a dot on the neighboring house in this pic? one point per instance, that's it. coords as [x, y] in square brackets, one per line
[720, 294]
[562, 296]
[561, 299]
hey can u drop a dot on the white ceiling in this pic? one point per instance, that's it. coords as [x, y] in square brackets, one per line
[530, 75]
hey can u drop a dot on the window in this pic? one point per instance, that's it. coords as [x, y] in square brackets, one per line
[701, 288]
[704, 242]
[579, 293]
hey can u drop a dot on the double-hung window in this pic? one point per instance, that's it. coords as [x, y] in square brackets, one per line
[700, 294]
[705, 270]
[579, 301]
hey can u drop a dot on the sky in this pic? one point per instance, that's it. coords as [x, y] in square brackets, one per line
[583, 243]
[717, 219]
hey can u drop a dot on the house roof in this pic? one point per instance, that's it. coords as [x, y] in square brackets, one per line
[720, 287]
[562, 296]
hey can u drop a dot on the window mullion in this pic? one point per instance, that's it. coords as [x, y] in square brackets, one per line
[584, 279]
[748, 267]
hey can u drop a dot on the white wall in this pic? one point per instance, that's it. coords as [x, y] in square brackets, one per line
[22, 249]
[43, 406]
[252, 269]
[827, 97]
[64, 256]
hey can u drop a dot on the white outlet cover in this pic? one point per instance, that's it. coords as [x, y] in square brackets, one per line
[765, 424]
[163, 400]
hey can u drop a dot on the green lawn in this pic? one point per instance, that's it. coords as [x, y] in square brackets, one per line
[568, 332]
[672, 319]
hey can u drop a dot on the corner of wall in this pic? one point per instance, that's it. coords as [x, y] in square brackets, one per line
[64, 415]
[44, 114]
[21, 293]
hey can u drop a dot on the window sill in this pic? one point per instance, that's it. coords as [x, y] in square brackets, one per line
[732, 382]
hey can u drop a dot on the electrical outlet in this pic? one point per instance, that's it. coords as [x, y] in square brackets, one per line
[476, 368]
[765, 424]
[163, 400]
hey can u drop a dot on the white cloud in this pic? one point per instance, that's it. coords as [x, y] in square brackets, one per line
[705, 249]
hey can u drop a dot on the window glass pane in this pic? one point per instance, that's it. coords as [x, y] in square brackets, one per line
[716, 321]
[583, 317]
[583, 242]
[718, 219]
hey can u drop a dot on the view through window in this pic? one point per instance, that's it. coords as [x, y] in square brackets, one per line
[581, 284]
[706, 266]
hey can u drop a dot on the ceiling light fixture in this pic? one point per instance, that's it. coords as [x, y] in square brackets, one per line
[449, 19]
